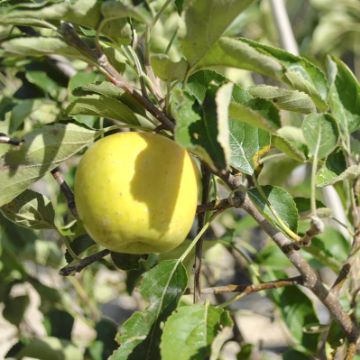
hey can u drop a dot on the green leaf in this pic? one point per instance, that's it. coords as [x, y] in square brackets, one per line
[206, 20]
[256, 112]
[272, 257]
[245, 143]
[19, 113]
[80, 12]
[119, 9]
[41, 151]
[297, 312]
[30, 209]
[38, 46]
[344, 96]
[321, 134]
[291, 141]
[280, 200]
[43, 81]
[204, 129]
[162, 287]
[126, 262]
[15, 308]
[103, 106]
[291, 100]
[238, 54]
[168, 70]
[296, 71]
[190, 331]
[335, 169]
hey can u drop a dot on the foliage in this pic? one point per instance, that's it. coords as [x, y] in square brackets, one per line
[75, 71]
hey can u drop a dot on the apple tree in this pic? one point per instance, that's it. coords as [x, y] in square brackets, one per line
[273, 134]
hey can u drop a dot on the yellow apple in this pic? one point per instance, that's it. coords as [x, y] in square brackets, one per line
[137, 193]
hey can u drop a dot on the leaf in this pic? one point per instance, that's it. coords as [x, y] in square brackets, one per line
[296, 71]
[344, 95]
[256, 112]
[291, 141]
[41, 151]
[190, 331]
[335, 169]
[205, 21]
[297, 311]
[238, 54]
[280, 200]
[104, 344]
[162, 287]
[30, 209]
[168, 70]
[43, 81]
[80, 12]
[38, 46]
[15, 308]
[19, 113]
[59, 323]
[50, 348]
[321, 134]
[272, 257]
[119, 9]
[126, 262]
[204, 129]
[103, 106]
[291, 100]
[245, 143]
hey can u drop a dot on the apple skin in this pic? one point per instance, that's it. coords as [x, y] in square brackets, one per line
[137, 192]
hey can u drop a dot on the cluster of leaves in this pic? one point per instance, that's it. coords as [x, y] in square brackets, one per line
[57, 97]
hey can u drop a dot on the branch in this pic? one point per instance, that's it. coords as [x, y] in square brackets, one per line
[77, 267]
[249, 289]
[65, 189]
[102, 62]
[311, 279]
[206, 176]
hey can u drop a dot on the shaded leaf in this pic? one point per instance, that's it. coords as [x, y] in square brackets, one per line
[162, 286]
[30, 209]
[15, 308]
[43, 81]
[50, 348]
[59, 323]
[321, 134]
[41, 151]
[190, 331]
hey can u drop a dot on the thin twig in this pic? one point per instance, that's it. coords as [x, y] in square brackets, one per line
[249, 289]
[78, 266]
[6, 139]
[351, 351]
[206, 176]
[65, 189]
[346, 268]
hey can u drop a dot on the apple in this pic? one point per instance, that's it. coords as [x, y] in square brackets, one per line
[137, 192]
